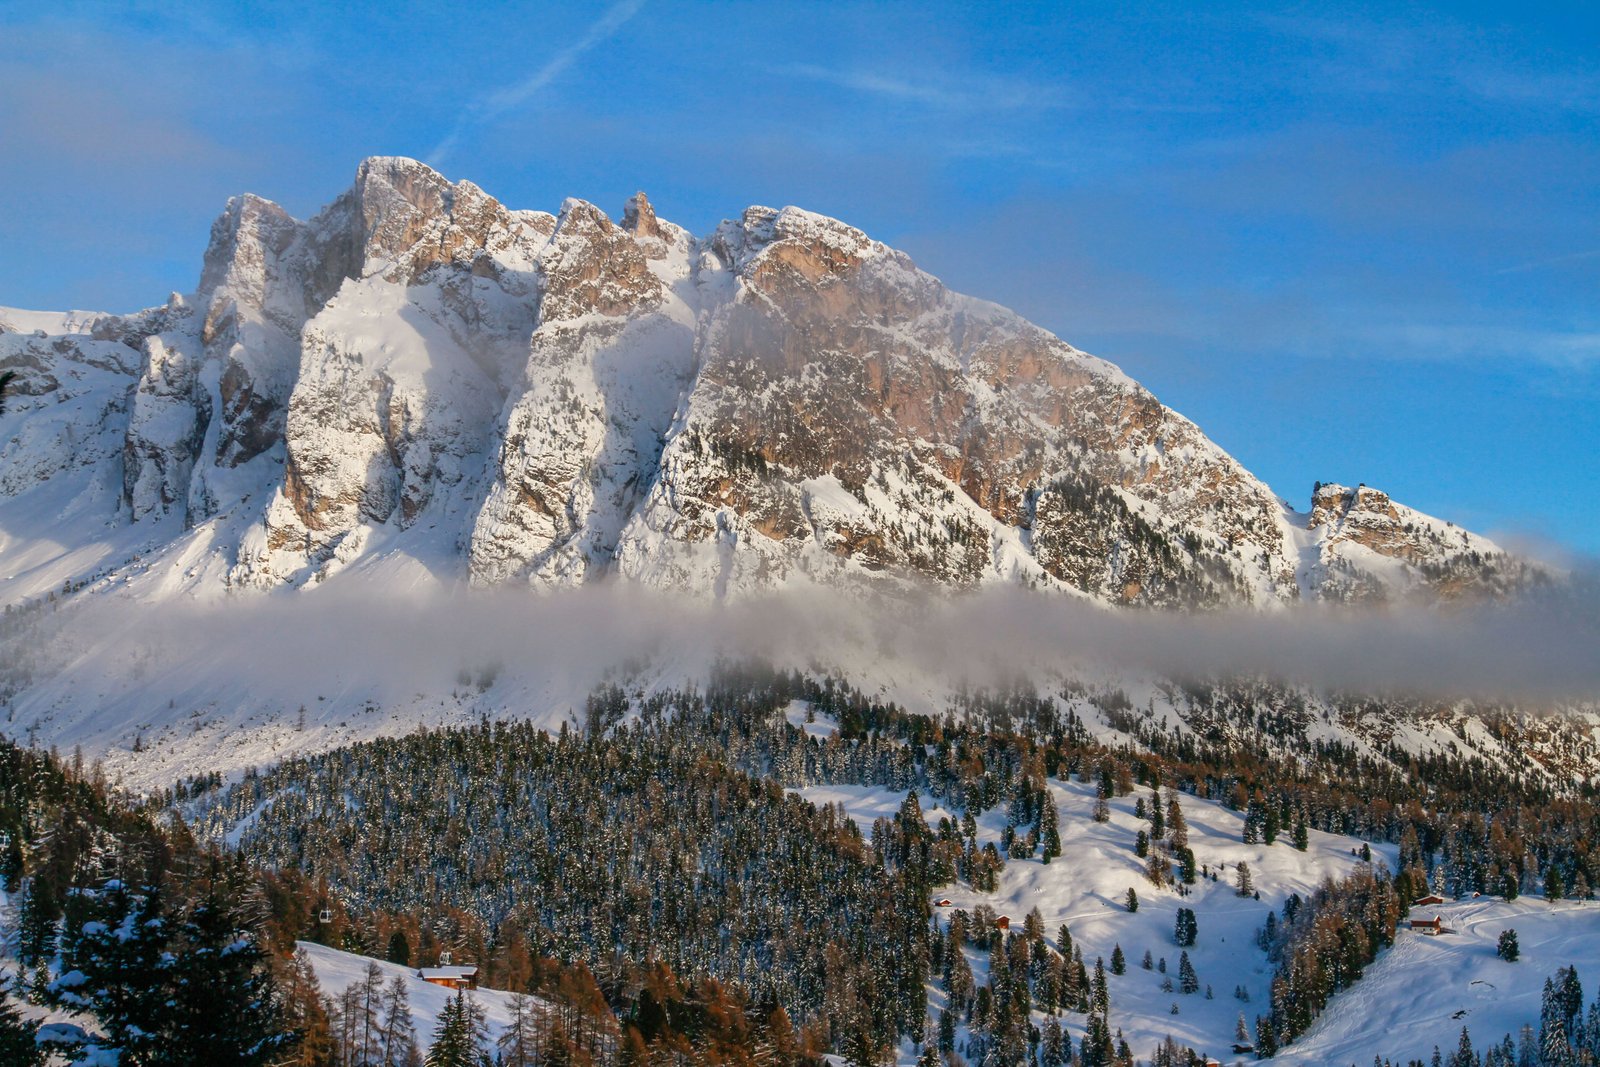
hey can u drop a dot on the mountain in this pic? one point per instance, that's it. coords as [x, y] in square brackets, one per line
[420, 383]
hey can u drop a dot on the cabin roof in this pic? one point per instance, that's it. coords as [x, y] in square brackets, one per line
[448, 972]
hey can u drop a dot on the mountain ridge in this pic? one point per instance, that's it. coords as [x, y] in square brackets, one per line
[419, 375]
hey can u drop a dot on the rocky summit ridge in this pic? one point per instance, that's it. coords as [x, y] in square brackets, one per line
[422, 379]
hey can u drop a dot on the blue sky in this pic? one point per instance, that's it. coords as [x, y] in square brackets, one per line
[1357, 244]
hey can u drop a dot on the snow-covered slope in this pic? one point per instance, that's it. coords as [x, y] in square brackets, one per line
[336, 971]
[1420, 993]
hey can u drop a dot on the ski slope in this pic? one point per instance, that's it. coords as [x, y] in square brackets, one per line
[1421, 992]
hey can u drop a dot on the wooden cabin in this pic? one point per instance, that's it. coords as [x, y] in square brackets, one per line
[451, 977]
[943, 902]
[1433, 926]
[1002, 922]
[1428, 901]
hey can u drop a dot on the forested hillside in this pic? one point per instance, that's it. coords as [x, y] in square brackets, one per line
[668, 835]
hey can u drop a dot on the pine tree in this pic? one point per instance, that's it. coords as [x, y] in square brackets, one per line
[1506, 948]
[1053, 1046]
[452, 1038]
[37, 924]
[361, 1020]
[117, 967]
[1266, 1038]
[222, 994]
[304, 1013]
[1186, 928]
[17, 1046]
[1244, 882]
[399, 949]
[1188, 981]
[1119, 962]
[1132, 900]
[12, 863]
[1302, 836]
[1049, 831]
[1553, 1048]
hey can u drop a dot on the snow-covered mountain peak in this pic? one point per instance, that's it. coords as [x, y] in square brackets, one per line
[421, 376]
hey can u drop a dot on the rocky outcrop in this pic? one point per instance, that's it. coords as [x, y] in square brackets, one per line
[1370, 548]
[612, 354]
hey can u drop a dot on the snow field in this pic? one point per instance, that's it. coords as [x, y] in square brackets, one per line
[1421, 992]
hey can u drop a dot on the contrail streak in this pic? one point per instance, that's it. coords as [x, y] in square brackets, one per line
[491, 106]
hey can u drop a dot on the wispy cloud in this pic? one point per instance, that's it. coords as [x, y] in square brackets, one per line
[1405, 55]
[969, 94]
[1561, 349]
[1551, 261]
[495, 104]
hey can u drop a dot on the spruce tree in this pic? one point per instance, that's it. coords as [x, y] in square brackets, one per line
[1049, 831]
[1188, 981]
[452, 1038]
[399, 949]
[222, 997]
[1506, 947]
[117, 968]
[17, 1044]
[1244, 883]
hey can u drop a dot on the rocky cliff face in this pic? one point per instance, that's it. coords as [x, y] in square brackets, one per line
[1368, 548]
[419, 374]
